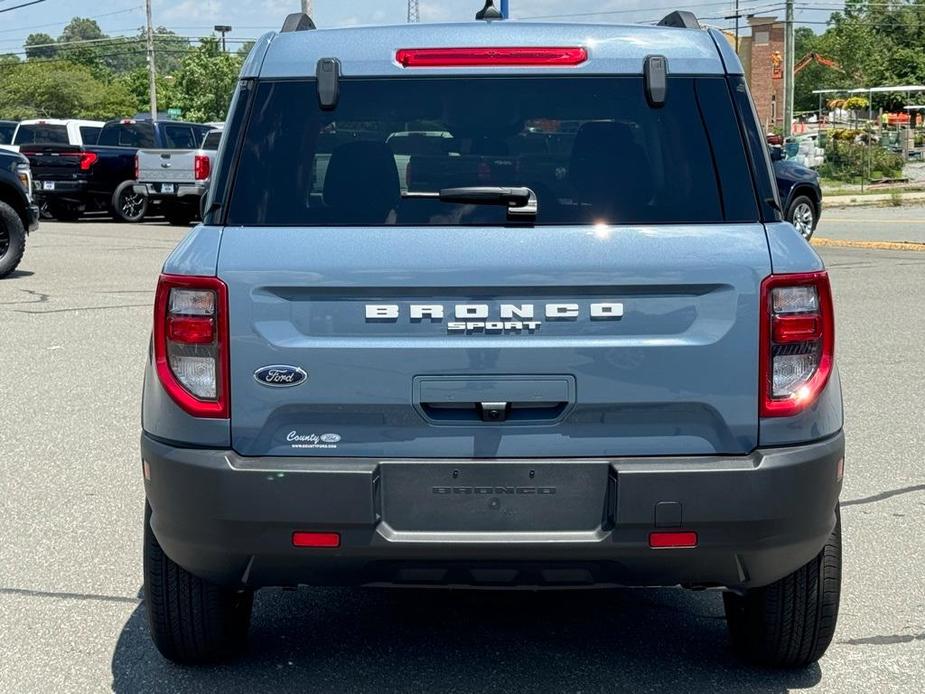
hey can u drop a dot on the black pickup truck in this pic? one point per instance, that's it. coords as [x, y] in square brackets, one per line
[70, 179]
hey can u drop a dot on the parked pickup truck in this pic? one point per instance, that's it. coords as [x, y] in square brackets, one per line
[72, 179]
[593, 354]
[176, 180]
[55, 131]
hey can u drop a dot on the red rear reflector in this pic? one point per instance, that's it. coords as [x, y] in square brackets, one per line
[669, 540]
[305, 539]
[191, 331]
[797, 328]
[490, 57]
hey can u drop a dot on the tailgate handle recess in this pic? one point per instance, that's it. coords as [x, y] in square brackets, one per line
[493, 400]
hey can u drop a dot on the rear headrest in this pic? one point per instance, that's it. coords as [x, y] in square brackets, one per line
[363, 176]
[609, 169]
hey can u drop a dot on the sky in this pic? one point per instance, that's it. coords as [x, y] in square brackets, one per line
[250, 18]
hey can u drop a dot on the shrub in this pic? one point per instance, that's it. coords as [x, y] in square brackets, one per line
[847, 161]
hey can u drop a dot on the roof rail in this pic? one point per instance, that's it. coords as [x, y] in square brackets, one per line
[681, 19]
[297, 21]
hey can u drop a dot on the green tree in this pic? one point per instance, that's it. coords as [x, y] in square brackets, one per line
[74, 49]
[58, 89]
[206, 80]
[135, 82]
[876, 42]
[40, 46]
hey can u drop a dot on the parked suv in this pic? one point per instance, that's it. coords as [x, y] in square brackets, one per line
[581, 348]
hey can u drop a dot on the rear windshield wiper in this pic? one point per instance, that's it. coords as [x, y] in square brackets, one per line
[521, 203]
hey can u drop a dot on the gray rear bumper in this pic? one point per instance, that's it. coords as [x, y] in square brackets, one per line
[181, 190]
[230, 519]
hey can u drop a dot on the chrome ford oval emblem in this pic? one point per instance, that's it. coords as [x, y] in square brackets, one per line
[330, 438]
[280, 376]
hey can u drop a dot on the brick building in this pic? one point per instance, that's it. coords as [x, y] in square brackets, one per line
[762, 55]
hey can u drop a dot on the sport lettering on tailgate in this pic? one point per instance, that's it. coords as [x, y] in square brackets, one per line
[475, 318]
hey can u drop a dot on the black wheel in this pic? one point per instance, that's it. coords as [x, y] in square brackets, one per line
[12, 239]
[180, 215]
[802, 214]
[64, 212]
[127, 205]
[191, 620]
[790, 623]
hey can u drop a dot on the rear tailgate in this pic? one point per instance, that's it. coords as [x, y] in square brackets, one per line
[55, 162]
[676, 373]
[166, 165]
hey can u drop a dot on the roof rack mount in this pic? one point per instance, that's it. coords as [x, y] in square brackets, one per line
[297, 21]
[681, 19]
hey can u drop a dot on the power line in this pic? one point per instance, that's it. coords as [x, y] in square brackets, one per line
[53, 24]
[25, 4]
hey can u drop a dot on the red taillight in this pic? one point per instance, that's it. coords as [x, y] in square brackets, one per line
[137, 167]
[672, 540]
[797, 335]
[307, 539]
[191, 343]
[491, 57]
[202, 167]
[87, 160]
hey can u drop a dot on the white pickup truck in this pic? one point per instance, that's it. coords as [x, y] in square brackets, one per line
[55, 131]
[176, 179]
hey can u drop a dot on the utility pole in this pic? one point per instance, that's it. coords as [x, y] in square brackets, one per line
[737, 26]
[789, 78]
[307, 7]
[152, 68]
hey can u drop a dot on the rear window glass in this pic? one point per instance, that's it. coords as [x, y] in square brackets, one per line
[212, 141]
[6, 133]
[89, 134]
[128, 135]
[179, 137]
[41, 135]
[591, 148]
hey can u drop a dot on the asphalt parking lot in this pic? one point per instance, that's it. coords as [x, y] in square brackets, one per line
[74, 323]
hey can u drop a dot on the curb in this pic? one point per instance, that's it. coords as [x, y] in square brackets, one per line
[877, 200]
[870, 245]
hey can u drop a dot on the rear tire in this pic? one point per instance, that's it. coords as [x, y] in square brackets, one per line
[127, 205]
[12, 240]
[191, 620]
[790, 623]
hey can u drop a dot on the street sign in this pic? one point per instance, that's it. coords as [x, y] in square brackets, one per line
[174, 112]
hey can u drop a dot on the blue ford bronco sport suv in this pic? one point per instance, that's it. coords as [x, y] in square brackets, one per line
[570, 343]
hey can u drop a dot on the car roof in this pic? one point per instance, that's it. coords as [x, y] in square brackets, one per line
[612, 48]
[62, 121]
